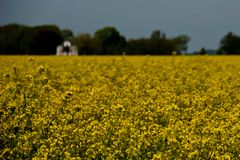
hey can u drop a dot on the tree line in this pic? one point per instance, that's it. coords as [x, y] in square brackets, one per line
[19, 39]
[109, 41]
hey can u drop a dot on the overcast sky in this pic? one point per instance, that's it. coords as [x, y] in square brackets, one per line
[205, 21]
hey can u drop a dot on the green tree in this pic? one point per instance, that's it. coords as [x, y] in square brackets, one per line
[230, 44]
[160, 44]
[45, 39]
[202, 51]
[87, 45]
[67, 34]
[180, 43]
[138, 46]
[157, 35]
[11, 36]
[156, 42]
[20, 39]
[110, 40]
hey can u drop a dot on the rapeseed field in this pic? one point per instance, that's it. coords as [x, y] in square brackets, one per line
[120, 107]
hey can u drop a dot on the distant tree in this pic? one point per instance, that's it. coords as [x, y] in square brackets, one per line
[19, 39]
[180, 43]
[202, 51]
[230, 44]
[110, 40]
[168, 47]
[138, 46]
[157, 40]
[10, 37]
[157, 35]
[158, 44]
[45, 39]
[67, 34]
[87, 45]
[26, 40]
[161, 45]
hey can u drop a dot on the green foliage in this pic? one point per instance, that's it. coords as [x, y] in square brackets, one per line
[230, 44]
[19, 39]
[158, 44]
[202, 51]
[180, 43]
[87, 45]
[110, 40]
[11, 38]
[157, 35]
[67, 34]
[45, 39]
[138, 46]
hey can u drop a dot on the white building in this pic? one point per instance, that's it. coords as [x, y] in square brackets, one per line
[66, 49]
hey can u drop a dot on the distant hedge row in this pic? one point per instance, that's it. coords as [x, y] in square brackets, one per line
[42, 40]
[19, 39]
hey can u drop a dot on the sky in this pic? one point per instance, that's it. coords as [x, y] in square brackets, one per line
[205, 21]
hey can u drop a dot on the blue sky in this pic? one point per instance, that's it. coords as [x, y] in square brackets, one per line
[205, 21]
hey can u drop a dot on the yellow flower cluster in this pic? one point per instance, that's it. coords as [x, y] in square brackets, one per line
[120, 107]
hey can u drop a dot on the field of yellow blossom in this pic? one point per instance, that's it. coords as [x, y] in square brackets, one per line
[123, 107]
